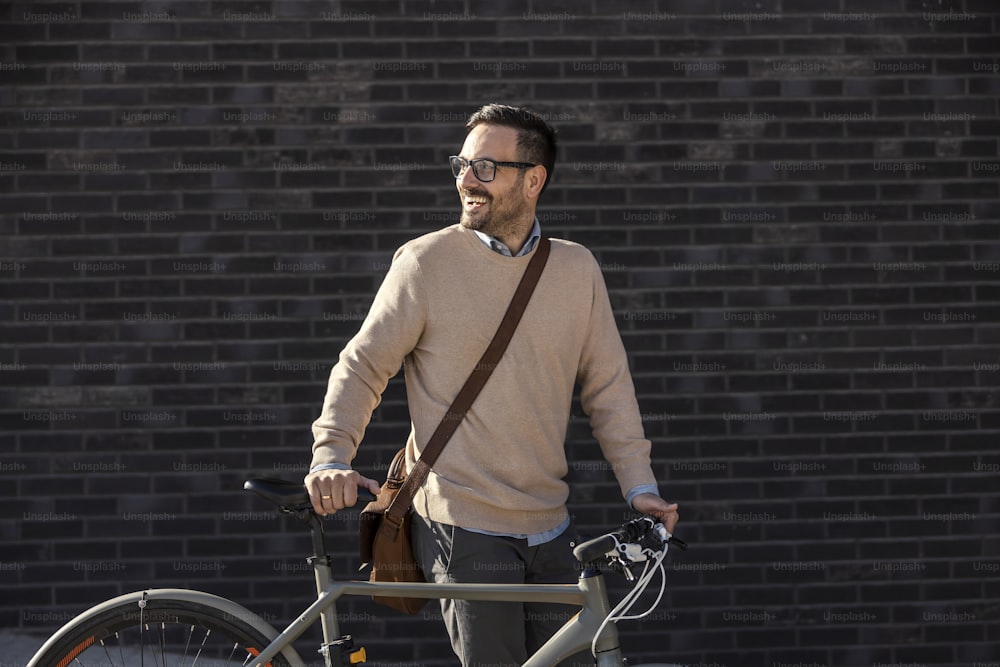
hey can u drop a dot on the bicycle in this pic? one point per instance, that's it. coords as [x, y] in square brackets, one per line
[188, 627]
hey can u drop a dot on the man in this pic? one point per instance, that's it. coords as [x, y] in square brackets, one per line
[493, 508]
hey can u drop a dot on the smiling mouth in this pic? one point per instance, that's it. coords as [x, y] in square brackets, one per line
[474, 202]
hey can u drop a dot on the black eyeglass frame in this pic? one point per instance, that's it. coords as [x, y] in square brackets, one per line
[462, 163]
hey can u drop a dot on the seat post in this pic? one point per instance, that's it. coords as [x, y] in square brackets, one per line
[318, 536]
[320, 560]
[321, 565]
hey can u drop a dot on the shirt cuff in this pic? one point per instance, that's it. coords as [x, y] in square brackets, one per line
[635, 491]
[330, 466]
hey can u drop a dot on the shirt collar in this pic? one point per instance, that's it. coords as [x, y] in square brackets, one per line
[500, 247]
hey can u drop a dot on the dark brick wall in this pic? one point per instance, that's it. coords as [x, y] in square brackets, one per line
[795, 203]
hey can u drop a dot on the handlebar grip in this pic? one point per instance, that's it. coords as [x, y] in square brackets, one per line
[593, 549]
[292, 495]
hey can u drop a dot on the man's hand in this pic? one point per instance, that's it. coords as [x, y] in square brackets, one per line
[655, 506]
[332, 490]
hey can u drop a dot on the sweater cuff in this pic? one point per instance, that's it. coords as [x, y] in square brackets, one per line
[632, 493]
[329, 466]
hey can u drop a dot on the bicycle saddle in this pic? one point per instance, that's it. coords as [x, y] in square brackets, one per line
[281, 492]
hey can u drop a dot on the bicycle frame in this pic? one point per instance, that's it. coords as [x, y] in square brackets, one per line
[589, 592]
[577, 634]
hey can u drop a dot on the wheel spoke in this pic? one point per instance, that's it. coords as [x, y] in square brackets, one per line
[107, 654]
[232, 655]
[201, 647]
[163, 643]
[187, 644]
[152, 647]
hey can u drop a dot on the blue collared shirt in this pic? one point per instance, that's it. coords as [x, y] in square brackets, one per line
[496, 245]
[533, 539]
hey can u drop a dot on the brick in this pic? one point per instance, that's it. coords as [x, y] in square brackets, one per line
[50, 53]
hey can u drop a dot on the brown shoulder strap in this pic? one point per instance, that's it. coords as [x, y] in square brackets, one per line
[477, 380]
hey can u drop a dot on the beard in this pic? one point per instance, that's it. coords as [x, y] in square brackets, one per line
[504, 215]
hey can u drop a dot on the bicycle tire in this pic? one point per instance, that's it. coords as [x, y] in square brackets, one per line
[111, 633]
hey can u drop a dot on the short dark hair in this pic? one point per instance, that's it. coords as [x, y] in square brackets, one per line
[536, 139]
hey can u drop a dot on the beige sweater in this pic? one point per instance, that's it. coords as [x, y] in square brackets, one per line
[435, 313]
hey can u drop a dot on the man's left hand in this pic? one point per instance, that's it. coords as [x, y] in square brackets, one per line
[655, 506]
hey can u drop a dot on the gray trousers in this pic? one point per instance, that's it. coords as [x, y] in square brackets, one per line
[496, 634]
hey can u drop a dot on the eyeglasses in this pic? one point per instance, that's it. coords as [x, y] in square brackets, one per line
[485, 169]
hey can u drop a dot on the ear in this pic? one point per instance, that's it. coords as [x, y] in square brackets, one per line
[534, 180]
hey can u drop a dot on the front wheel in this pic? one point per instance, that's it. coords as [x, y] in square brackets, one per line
[173, 627]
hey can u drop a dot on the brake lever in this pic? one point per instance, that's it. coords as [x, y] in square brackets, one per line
[668, 537]
[620, 562]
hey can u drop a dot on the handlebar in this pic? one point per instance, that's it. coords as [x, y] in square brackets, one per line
[291, 496]
[644, 532]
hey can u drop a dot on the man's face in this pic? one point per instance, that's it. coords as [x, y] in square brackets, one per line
[499, 207]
